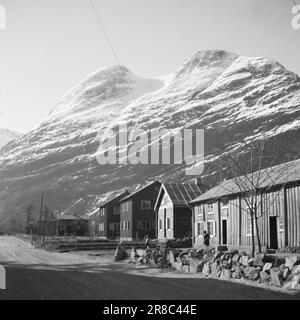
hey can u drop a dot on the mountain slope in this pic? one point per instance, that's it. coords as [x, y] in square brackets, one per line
[231, 97]
[6, 136]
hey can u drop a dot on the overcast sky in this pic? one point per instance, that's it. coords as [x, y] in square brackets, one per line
[51, 45]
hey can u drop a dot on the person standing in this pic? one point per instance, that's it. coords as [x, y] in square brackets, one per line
[206, 238]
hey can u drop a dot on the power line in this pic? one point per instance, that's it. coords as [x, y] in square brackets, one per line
[110, 45]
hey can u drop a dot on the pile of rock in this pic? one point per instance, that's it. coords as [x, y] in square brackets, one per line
[280, 272]
[264, 268]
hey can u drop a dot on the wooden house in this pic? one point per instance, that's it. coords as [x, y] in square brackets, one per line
[224, 212]
[137, 218]
[173, 212]
[108, 218]
[64, 225]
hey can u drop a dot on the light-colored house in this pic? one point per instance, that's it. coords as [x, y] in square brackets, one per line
[223, 211]
[173, 212]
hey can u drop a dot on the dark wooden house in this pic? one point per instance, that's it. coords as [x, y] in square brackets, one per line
[224, 213]
[108, 218]
[137, 213]
[173, 212]
[65, 225]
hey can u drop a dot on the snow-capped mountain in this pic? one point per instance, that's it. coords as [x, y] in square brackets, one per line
[231, 97]
[6, 136]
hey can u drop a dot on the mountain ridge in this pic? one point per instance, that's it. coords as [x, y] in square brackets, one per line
[231, 97]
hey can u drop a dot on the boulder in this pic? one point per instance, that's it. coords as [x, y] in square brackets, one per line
[244, 260]
[133, 256]
[251, 262]
[237, 273]
[194, 266]
[222, 248]
[265, 277]
[267, 266]
[290, 262]
[251, 273]
[276, 276]
[177, 265]
[233, 252]
[186, 268]
[225, 274]
[285, 273]
[236, 258]
[206, 269]
[258, 261]
[296, 270]
[293, 284]
[170, 257]
[217, 255]
[120, 253]
[215, 269]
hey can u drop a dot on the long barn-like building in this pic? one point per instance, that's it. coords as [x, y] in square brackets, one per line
[223, 211]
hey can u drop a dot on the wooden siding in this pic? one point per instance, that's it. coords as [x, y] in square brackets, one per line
[280, 204]
[293, 215]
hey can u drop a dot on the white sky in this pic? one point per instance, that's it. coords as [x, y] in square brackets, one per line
[51, 45]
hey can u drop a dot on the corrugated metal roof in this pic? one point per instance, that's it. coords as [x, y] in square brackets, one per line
[139, 190]
[274, 176]
[181, 193]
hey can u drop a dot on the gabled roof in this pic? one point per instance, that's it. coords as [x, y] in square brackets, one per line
[72, 217]
[117, 197]
[139, 190]
[274, 176]
[179, 193]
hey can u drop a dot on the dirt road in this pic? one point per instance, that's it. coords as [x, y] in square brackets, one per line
[37, 274]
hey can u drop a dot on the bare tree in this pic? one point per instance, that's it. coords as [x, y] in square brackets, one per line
[252, 174]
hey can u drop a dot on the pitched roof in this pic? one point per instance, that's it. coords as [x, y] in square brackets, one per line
[274, 176]
[139, 190]
[180, 193]
[72, 217]
[120, 195]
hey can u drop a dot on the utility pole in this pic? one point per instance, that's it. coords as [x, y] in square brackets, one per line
[45, 223]
[41, 211]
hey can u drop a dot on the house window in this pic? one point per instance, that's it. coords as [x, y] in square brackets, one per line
[160, 224]
[144, 225]
[211, 227]
[125, 225]
[169, 223]
[116, 210]
[146, 204]
[117, 226]
[125, 206]
[102, 212]
[199, 211]
[210, 216]
[210, 207]
[224, 213]
[101, 227]
[200, 228]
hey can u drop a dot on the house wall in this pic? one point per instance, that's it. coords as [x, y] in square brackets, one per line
[102, 226]
[209, 215]
[165, 208]
[113, 220]
[281, 205]
[136, 215]
[292, 203]
[126, 215]
[182, 222]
